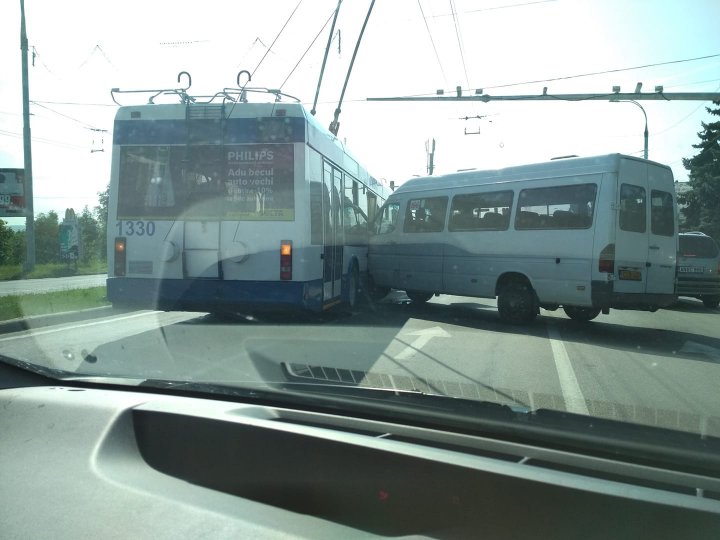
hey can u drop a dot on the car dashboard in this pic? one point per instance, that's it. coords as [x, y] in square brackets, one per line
[130, 463]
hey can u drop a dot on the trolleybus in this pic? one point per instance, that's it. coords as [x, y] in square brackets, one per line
[235, 205]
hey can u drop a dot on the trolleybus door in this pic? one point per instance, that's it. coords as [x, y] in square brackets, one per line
[332, 233]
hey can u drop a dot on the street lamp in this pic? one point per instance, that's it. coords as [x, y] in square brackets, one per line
[644, 114]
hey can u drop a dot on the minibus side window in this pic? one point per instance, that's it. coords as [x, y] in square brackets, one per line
[425, 215]
[557, 207]
[481, 211]
[633, 208]
[662, 220]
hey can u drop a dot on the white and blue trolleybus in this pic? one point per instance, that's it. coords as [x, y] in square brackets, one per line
[228, 205]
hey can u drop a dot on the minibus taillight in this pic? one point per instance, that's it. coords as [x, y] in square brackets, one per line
[286, 260]
[607, 259]
[120, 256]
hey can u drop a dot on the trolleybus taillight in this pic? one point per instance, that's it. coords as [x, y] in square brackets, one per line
[286, 260]
[607, 259]
[120, 256]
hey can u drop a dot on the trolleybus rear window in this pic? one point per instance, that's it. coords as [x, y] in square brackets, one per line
[232, 182]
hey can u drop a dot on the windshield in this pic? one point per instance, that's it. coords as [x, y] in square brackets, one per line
[469, 200]
[698, 246]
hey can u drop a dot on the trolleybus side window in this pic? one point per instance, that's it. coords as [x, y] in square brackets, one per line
[632, 208]
[558, 207]
[662, 217]
[481, 211]
[425, 215]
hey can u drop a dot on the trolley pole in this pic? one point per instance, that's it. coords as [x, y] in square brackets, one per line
[27, 150]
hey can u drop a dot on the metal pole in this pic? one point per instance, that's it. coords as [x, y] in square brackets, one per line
[646, 134]
[28, 188]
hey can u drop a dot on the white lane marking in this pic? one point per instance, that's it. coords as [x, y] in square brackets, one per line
[424, 336]
[574, 399]
[31, 333]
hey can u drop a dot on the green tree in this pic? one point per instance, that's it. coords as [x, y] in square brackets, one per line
[703, 201]
[90, 236]
[47, 241]
[6, 243]
[101, 216]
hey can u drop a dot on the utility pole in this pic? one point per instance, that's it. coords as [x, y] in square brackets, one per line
[27, 148]
[430, 151]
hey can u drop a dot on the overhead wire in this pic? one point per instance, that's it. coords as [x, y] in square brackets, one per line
[43, 140]
[276, 38]
[308, 49]
[84, 124]
[432, 41]
[494, 8]
[459, 40]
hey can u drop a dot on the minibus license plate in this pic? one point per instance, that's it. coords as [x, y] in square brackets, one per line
[631, 274]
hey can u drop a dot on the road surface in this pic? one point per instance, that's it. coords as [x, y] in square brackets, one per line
[658, 368]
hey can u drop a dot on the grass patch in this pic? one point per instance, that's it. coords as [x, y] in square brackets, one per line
[14, 307]
[14, 271]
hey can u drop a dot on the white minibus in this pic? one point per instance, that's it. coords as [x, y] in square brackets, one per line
[587, 234]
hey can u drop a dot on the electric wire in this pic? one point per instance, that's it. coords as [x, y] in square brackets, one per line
[307, 50]
[432, 41]
[84, 124]
[495, 8]
[459, 40]
[276, 38]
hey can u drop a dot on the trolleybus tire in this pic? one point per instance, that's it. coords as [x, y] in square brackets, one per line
[582, 314]
[419, 297]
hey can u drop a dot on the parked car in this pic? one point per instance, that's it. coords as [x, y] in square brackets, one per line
[698, 266]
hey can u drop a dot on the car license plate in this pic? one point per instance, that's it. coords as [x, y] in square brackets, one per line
[692, 269]
[631, 274]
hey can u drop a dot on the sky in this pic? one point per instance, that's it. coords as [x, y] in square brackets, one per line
[84, 48]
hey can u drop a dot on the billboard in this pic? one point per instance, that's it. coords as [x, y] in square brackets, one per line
[12, 192]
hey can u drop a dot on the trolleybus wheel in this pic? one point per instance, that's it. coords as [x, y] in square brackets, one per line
[583, 314]
[419, 297]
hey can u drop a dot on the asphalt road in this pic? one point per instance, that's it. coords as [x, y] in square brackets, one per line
[658, 368]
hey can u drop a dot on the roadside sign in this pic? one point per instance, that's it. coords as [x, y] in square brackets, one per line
[12, 192]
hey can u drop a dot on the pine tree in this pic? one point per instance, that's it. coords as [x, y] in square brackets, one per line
[703, 201]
